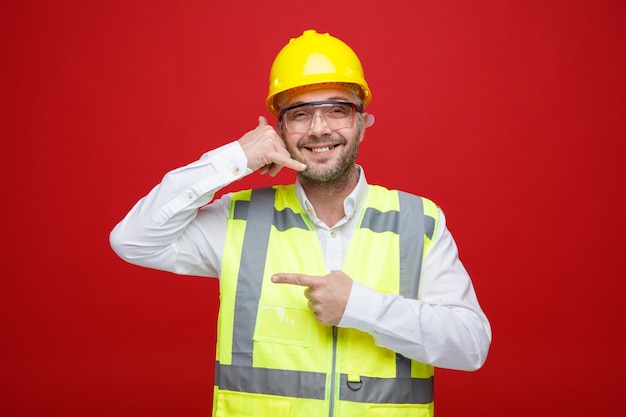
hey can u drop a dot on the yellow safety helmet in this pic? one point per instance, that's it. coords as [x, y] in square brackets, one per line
[315, 58]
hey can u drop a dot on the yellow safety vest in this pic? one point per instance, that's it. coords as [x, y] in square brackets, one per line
[273, 358]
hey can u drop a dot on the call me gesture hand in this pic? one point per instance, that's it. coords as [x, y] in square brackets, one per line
[266, 151]
[327, 295]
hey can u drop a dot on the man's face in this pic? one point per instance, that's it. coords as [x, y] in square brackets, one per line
[329, 153]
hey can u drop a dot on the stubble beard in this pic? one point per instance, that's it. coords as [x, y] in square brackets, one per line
[329, 177]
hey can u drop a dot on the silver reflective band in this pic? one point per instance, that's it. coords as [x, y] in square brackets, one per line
[379, 222]
[282, 219]
[250, 277]
[389, 391]
[411, 225]
[264, 381]
[300, 384]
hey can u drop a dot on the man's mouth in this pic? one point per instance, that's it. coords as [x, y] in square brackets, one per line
[320, 149]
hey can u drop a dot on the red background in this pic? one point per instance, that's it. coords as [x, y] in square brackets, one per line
[509, 114]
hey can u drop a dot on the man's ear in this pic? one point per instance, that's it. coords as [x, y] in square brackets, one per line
[369, 119]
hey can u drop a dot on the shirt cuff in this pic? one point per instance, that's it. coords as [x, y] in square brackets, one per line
[362, 309]
[202, 178]
[229, 161]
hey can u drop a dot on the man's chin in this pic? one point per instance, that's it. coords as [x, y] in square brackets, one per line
[323, 173]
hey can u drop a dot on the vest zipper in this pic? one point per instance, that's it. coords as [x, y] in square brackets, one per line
[333, 377]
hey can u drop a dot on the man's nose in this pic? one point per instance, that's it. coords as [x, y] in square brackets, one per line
[320, 126]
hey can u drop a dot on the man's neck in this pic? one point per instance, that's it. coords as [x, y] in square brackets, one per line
[328, 198]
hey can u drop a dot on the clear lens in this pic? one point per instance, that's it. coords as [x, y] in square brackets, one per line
[334, 114]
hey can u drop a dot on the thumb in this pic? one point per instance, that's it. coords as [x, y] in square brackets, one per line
[262, 121]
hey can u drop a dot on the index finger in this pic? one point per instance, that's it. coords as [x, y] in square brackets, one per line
[284, 160]
[295, 279]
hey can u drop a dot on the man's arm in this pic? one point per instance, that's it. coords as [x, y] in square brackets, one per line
[166, 230]
[444, 327]
[158, 230]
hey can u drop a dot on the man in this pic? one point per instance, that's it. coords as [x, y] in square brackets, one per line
[337, 298]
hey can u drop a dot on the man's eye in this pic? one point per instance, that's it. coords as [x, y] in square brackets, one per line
[338, 111]
[299, 115]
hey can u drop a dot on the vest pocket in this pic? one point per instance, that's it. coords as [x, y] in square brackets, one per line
[283, 324]
[237, 404]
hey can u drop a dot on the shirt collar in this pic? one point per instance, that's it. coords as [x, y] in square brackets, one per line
[351, 205]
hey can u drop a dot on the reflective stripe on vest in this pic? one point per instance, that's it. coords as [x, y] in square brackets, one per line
[311, 385]
[260, 215]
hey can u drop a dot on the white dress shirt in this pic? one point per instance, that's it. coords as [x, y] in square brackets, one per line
[178, 228]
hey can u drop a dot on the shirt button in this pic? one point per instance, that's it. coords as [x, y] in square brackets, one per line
[190, 195]
[236, 171]
[333, 234]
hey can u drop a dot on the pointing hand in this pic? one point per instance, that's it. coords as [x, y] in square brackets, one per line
[327, 295]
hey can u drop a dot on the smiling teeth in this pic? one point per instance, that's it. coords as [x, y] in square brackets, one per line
[319, 150]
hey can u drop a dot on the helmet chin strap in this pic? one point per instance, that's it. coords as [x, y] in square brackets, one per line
[369, 120]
